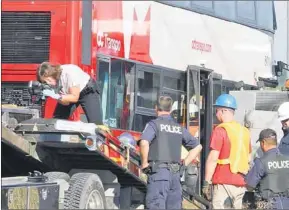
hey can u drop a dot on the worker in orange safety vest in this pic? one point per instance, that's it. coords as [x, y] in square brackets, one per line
[228, 159]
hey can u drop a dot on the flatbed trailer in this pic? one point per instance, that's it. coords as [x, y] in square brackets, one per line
[65, 155]
[68, 159]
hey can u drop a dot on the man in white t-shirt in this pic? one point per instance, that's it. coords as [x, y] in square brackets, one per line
[72, 87]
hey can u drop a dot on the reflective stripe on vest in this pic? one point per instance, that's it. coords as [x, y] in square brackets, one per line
[223, 161]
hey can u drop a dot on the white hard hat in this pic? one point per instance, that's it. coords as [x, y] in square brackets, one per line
[283, 111]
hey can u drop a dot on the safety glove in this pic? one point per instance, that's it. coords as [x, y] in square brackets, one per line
[104, 128]
[147, 170]
[206, 190]
[51, 93]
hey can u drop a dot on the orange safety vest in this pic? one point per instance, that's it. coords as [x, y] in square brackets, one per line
[239, 137]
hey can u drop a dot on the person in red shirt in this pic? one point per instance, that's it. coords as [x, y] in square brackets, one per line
[228, 187]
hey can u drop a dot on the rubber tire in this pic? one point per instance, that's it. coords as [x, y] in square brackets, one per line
[57, 175]
[80, 186]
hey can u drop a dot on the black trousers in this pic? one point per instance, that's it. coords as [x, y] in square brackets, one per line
[90, 104]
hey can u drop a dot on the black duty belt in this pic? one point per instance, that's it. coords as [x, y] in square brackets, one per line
[155, 166]
[173, 167]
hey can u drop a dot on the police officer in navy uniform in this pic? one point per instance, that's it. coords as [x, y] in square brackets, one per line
[160, 149]
[271, 172]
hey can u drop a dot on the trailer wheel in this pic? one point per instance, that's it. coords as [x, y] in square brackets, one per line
[85, 192]
[52, 176]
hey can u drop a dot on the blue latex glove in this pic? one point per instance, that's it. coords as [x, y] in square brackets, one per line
[51, 94]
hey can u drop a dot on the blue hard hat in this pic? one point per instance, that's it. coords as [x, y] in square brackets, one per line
[226, 100]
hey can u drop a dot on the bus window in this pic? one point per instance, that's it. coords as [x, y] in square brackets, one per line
[195, 103]
[178, 83]
[103, 76]
[148, 85]
[174, 83]
[217, 91]
[117, 92]
[122, 92]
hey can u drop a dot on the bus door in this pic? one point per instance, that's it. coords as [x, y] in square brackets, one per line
[200, 111]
